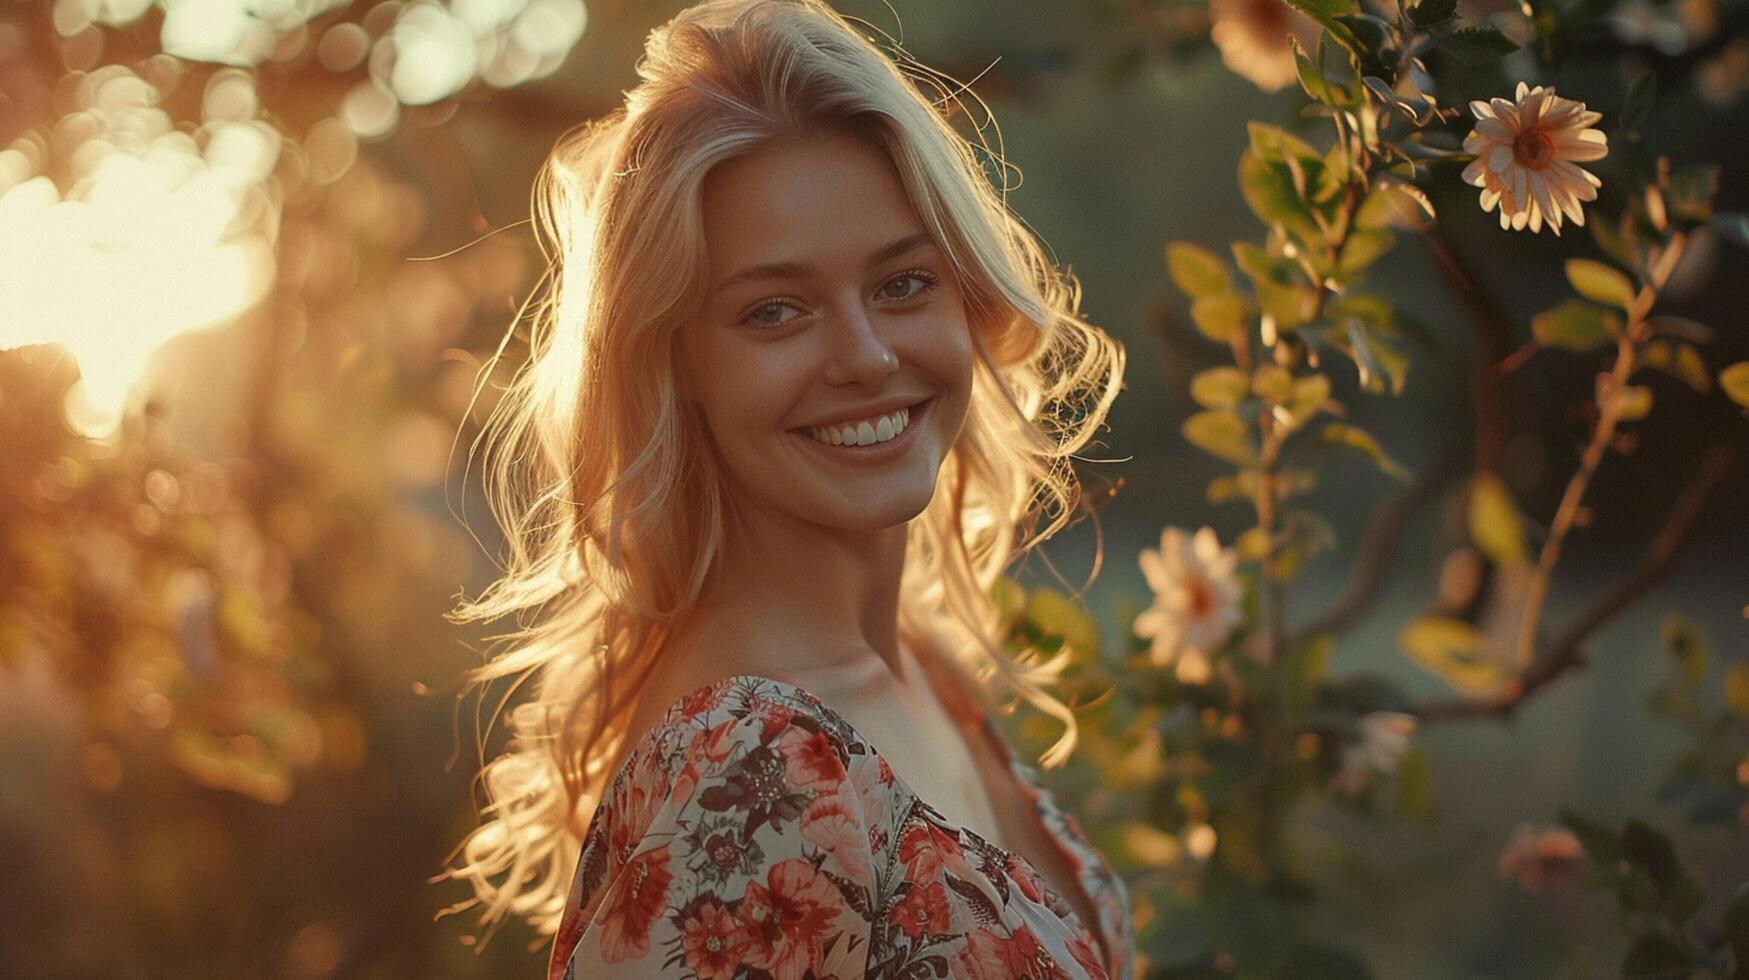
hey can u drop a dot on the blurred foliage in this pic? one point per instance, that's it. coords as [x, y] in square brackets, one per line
[216, 606]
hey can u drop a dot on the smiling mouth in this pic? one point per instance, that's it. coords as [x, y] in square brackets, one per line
[868, 435]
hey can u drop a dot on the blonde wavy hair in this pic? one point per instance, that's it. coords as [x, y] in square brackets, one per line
[607, 491]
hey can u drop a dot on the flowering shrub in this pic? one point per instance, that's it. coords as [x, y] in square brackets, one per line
[1220, 720]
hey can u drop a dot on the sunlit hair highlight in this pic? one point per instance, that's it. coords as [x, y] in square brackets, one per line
[607, 490]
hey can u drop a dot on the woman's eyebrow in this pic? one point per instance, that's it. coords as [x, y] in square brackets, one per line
[784, 270]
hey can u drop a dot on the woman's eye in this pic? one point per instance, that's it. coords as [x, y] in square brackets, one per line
[925, 282]
[756, 318]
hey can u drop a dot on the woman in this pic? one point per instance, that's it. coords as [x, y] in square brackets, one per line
[799, 381]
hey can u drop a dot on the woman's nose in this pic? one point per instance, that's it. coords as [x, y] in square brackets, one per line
[858, 354]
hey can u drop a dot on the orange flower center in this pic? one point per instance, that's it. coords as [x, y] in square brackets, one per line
[1533, 149]
[1201, 601]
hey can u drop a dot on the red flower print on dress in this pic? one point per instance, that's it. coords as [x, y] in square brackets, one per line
[786, 918]
[633, 901]
[773, 717]
[703, 754]
[923, 910]
[1031, 884]
[713, 940]
[808, 758]
[1081, 947]
[926, 849]
[831, 824]
[988, 956]
[704, 699]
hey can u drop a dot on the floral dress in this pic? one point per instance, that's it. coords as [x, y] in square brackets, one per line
[754, 834]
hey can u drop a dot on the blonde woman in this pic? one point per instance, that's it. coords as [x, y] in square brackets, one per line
[800, 389]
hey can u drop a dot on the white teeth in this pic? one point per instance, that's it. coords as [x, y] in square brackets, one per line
[886, 427]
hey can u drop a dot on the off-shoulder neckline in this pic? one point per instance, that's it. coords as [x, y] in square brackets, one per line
[1109, 935]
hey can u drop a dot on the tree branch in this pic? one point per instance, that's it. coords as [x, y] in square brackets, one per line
[1378, 546]
[1566, 653]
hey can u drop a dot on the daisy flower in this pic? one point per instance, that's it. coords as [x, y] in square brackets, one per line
[1253, 38]
[1196, 601]
[1526, 151]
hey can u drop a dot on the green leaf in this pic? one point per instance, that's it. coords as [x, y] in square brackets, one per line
[1198, 271]
[1427, 13]
[1311, 75]
[1219, 387]
[1605, 284]
[1353, 437]
[1272, 144]
[1575, 325]
[1393, 203]
[1642, 92]
[1735, 381]
[1601, 843]
[1451, 649]
[1272, 381]
[1222, 433]
[1362, 249]
[1648, 848]
[1268, 189]
[1307, 399]
[1055, 614]
[1655, 957]
[1474, 45]
[1276, 280]
[1495, 526]
[1374, 46]
[1691, 192]
[1219, 317]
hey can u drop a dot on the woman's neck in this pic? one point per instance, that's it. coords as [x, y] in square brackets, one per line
[798, 598]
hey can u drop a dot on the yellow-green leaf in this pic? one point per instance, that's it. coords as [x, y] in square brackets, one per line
[1495, 526]
[1735, 381]
[1219, 317]
[1575, 325]
[1636, 401]
[1737, 689]
[1451, 649]
[1272, 381]
[1269, 190]
[1218, 387]
[1343, 434]
[1239, 486]
[1198, 271]
[1223, 433]
[1251, 544]
[1603, 283]
[1680, 359]
[1363, 248]
[1055, 614]
[1309, 395]
[1391, 203]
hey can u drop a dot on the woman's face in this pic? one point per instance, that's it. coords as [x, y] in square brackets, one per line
[829, 307]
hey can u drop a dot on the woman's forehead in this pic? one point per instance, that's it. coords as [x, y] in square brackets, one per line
[820, 201]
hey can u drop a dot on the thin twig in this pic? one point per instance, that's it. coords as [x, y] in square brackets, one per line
[1378, 546]
[1565, 653]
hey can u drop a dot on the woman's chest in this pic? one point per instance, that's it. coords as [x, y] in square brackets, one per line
[959, 773]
